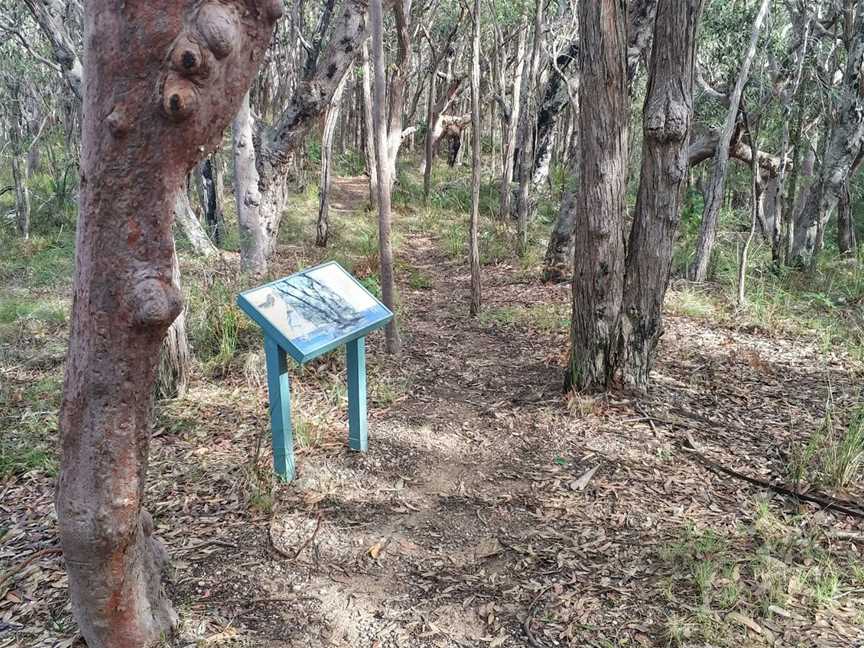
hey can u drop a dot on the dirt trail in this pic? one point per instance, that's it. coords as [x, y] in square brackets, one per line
[490, 509]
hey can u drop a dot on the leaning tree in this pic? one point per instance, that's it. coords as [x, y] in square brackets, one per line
[161, 81]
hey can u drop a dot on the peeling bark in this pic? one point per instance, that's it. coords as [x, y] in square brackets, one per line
[162, 81]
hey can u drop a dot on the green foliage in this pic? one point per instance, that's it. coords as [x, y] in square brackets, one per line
[218, 329]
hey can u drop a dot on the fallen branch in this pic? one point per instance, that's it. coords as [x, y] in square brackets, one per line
[825, 502]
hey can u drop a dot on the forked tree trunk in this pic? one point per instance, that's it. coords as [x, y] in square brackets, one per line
[330, 122]
[698, 270]
[666, 127]
[476, 125]
[601, 202]
[201, 58]
[385, 182]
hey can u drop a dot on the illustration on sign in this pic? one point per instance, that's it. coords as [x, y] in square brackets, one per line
[304, 316]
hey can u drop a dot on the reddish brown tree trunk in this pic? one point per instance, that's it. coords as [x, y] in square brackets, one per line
[163, 79]
[601, 202]
[666, 126]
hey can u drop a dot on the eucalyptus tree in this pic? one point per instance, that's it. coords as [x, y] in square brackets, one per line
[201, 58]
[600, 205]
[263, 153]
[666, 124]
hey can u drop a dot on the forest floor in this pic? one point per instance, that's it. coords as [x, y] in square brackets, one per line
[491, 509]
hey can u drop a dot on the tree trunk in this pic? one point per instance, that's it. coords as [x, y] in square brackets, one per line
[330, 121]
[846, 238]
[22, 197]
[509, 139]
[369, 143]
[191, 226]
[265, 158]
[201, 57]
[666, 127]
[175, 356]
[49, 14]
[526, 139]
[256, 220]
[209, 179]
[379, 122]
[476, 125]
[558, 261]
[601, 203]
[756, 196]
[555, 97]
[698, 270]
[844, 147]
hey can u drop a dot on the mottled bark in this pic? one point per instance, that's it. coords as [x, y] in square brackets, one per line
[556, 95]
[385, 182]
[509, 139]
[601, 201]
[640, 33]
[271, 151]
[162, 81]
[330, 121]
[369, 143]
[698, 270]
[847, 242]
[666, 124]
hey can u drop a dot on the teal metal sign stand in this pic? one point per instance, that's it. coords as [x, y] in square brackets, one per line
[304, 316]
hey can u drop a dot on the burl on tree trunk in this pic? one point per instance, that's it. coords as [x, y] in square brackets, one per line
[162, 80]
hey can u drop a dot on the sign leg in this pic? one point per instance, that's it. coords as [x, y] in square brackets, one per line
[280, 410]
[358, 438]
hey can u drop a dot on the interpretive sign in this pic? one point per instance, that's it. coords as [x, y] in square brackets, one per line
[304, 316]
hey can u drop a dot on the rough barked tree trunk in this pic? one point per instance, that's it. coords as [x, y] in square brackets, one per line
[473, 234]
[846, 141]
[162, 81]
[601, 202]
[385, 182]
[666, 128]
[698, 270]
[330, 121]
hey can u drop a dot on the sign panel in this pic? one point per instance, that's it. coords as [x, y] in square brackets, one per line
[314, 311]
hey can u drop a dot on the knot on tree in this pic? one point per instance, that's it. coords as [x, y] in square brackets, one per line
[157, 302]
[668, 122]
[118, 121]
[210, 35]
